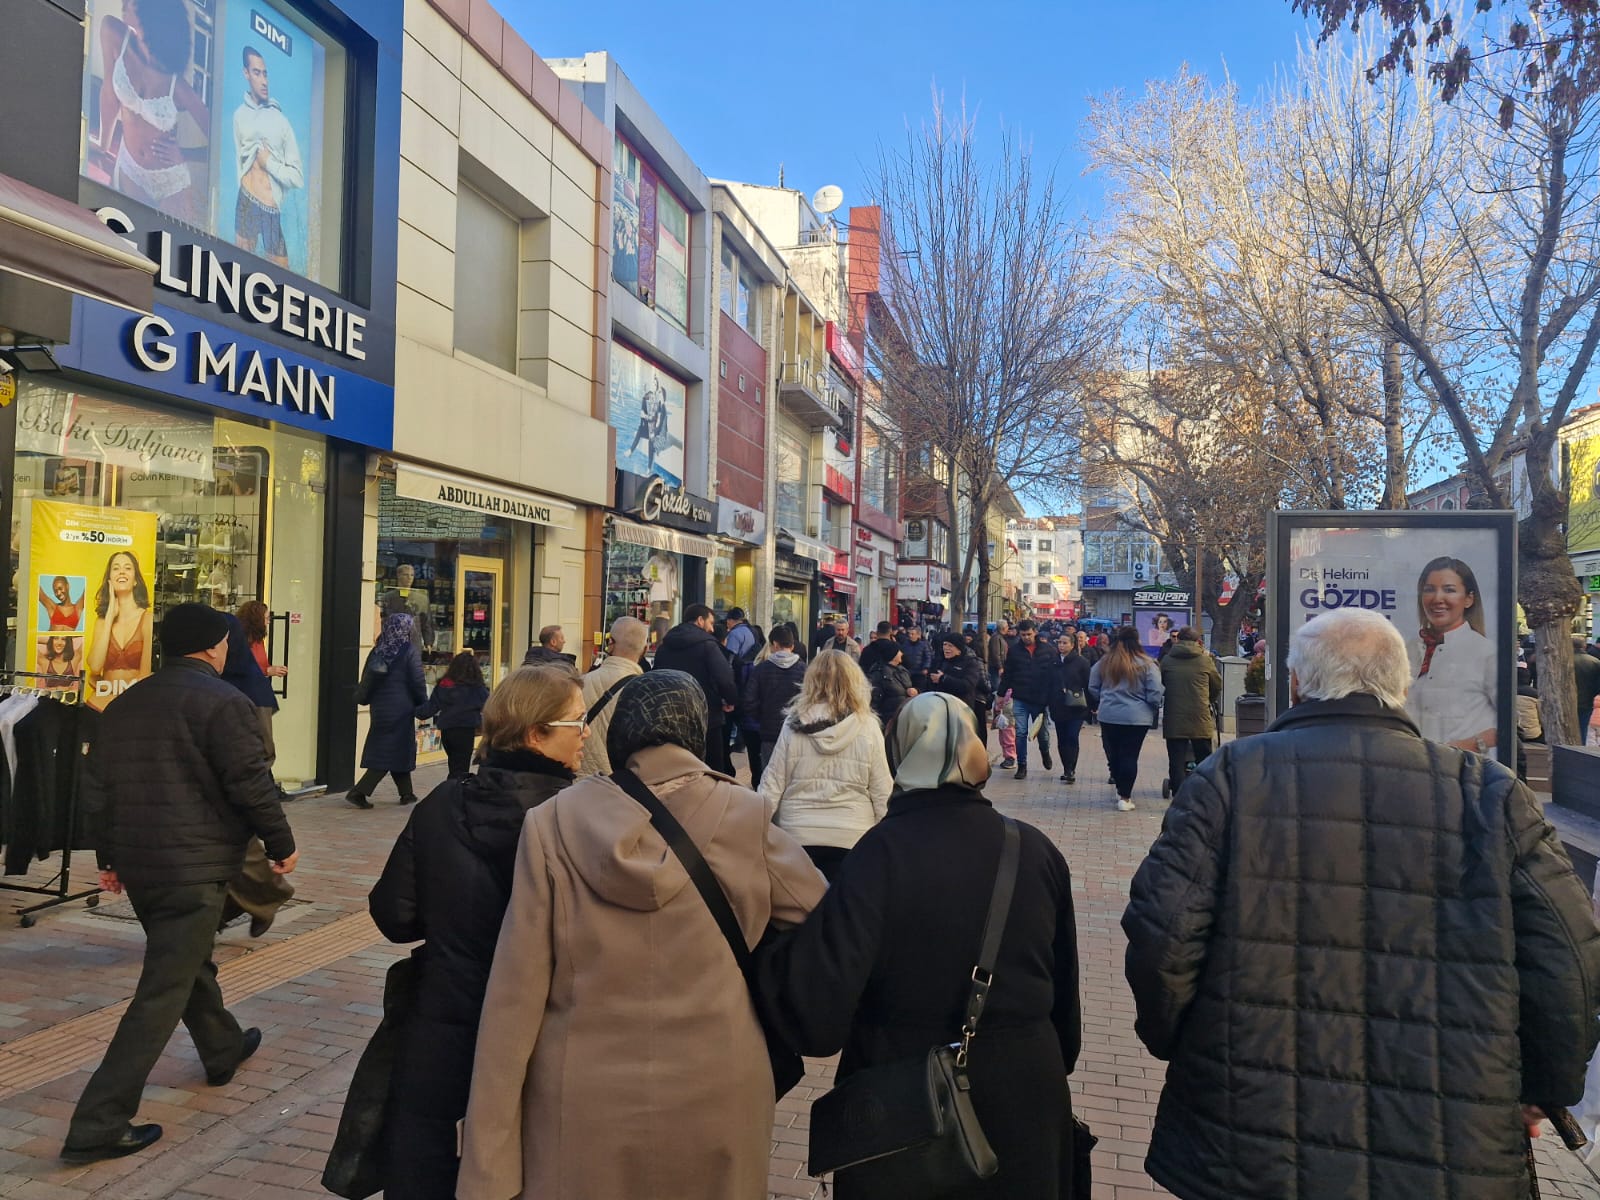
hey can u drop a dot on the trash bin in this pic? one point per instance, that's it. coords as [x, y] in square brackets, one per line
[1249, 715]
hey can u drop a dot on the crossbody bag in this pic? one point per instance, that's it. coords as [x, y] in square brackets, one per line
[907, 1130]
[787, 1067]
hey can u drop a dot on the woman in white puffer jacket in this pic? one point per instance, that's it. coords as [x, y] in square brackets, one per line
[828, 780]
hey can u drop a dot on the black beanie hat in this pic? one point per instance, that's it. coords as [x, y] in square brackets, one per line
[190, 628]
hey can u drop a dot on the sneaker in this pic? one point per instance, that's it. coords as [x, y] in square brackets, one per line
[1007, 764]
[1124, 804]
[1069, 777]
[1022, 773]
[1112, 780]
[358, 800]
[1044, 757]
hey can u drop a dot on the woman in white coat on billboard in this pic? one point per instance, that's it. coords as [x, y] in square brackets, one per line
[1454, 690]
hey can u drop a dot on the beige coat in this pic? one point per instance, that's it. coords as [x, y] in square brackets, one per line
[595, 684]
[619, 1056]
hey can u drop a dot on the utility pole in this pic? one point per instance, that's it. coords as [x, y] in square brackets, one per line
[1199, 584]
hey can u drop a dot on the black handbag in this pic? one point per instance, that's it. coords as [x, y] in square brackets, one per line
[907, 1130]
[787, 1067]
[358, 1165]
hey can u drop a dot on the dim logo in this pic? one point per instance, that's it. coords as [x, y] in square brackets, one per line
[264, 28]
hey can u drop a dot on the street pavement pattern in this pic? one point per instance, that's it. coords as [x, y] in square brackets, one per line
[314, 986]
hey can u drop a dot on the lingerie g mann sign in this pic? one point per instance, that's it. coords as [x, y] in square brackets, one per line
[247, 372]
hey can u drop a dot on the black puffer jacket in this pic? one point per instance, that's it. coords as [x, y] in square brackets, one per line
[1028, 675]
[447, 882]
[769, 691]
[178, 782]
[1359, 951]
[689, 648]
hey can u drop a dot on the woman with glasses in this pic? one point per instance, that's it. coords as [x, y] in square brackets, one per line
[447, 883]
[619, 1053]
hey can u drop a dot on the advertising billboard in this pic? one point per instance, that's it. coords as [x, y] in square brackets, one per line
[225, 115]
[1448, 582]
[90, 575]
[646, 408]
[1583, 509]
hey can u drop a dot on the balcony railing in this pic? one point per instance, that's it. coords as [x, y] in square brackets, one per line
[805, 391]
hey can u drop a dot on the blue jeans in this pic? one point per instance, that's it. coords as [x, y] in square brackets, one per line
[1025, 714]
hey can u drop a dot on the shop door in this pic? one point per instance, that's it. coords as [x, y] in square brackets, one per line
[478, 601]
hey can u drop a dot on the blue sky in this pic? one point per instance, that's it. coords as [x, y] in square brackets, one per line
[745, 87]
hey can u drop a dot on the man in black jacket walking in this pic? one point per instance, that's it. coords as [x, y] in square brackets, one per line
[691, 648]
[175, 785]
[1028, 676]
[1359, 951]
[773, 684]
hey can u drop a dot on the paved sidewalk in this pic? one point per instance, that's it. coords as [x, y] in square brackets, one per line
[314, 984]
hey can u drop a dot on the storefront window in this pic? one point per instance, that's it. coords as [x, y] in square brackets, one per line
[129, 508]
[649, 236]
[227, 115]
[646, 583]
[732, 581]
[793, 462]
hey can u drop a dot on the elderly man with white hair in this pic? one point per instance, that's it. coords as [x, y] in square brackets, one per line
[1364, 955]
[601, 685]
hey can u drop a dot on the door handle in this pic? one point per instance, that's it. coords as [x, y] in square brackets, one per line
[283, 692]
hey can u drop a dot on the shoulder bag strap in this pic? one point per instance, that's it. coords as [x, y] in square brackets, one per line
[994, 927]
[605, 698]
[705, 881]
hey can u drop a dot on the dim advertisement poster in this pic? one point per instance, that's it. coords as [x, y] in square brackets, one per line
[1447, 582]
[86, 578]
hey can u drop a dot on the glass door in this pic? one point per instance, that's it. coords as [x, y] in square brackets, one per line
[479, 628]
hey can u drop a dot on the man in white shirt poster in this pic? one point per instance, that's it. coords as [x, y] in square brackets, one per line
[268, 160]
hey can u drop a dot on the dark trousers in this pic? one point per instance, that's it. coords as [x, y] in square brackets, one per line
[757, 753]
[1123, 743]
[178, 982]
[457, 745]
[372, 777]
[827, 859]
[1069, 728]
[717, 756]
[1181, 752]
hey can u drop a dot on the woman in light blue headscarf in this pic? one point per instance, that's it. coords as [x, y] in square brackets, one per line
[392, 686]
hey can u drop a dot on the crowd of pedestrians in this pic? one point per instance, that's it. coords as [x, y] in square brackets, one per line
[1364, 955]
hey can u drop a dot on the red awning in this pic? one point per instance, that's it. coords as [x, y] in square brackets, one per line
[53, 242]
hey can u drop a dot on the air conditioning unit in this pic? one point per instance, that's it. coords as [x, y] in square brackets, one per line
[1138, 572]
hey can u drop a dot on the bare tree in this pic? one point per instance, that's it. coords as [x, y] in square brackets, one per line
[996, 323]
[1471, 243]
[1206, 230]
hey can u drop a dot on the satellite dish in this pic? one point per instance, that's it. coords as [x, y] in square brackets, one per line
[827, 199]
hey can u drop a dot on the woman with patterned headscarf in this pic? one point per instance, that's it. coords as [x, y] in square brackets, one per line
[619, 1052]
[392, 686]
[883, 967]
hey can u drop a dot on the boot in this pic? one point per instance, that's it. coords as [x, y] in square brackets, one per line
[357, 798]
[1044, 755]
[1022, 773]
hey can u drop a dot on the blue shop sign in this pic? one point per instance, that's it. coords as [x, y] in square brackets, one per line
[178, 354]
[1094, 581]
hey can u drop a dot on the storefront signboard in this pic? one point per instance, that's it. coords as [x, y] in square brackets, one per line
[1094, 581]
[1448, 582]
[1583, 507]
[480, 496]
[653, 500]
[87, 576]
[741, 522]
[866, 562]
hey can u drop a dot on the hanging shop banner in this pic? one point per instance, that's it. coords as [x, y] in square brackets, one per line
[1583, 507]
[1446, 579]
[480, 496]
[88, 574]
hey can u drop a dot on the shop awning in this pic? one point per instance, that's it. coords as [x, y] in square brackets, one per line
[51, 241]
[480, 496]
[838, 585]
[658, 538]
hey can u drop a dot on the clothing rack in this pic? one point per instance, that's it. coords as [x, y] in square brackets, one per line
[68, 690]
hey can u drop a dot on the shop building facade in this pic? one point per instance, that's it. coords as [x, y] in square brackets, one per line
[750, 274]
[214, 447]
[656, 546]
[483, 518]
